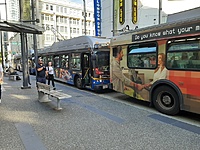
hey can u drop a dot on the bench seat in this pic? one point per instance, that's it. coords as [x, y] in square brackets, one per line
[44, 91]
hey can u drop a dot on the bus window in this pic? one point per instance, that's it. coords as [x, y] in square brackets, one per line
[75, 61]
[65, 61]
[142, 55]
[183, 54]
[102, 62]
[56, 62]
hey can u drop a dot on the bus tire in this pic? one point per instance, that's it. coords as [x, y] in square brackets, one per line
[166, 100]
[78, 82]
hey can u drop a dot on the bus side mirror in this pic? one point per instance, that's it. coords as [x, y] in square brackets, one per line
[93, 56]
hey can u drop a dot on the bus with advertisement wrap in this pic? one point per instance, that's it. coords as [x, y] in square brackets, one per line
[159, 64]
[81, 61]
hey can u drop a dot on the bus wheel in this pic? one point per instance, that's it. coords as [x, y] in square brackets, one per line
[78, 82]
[166, 100]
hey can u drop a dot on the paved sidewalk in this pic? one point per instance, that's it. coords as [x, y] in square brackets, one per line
[18, 106]
[87, 122]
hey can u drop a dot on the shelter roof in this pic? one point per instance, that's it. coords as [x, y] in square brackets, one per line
[11, 26]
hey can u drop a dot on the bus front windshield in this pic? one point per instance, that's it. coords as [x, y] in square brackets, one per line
[102, 63]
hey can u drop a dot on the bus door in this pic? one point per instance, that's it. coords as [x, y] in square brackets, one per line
[86, 70]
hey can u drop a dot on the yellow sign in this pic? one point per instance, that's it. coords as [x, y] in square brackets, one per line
[134, 11]
[121, 11]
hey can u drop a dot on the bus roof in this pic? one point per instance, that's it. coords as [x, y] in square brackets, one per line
[79, 43]
[182, 28]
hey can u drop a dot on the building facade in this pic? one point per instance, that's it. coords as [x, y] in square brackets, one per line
[120, 15]
[63, 20]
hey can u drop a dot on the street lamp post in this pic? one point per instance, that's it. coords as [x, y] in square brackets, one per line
[84, 9]
[1, 36]
[160, 11]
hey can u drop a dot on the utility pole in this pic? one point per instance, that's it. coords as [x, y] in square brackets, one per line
[34, 35]
[159, 11]
[1, 35]
[2, 51]
[84, 9]
[24, 52]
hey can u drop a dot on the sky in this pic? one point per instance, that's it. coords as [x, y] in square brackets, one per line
[172, 6]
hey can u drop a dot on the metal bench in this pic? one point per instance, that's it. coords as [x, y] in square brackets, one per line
[44, 91]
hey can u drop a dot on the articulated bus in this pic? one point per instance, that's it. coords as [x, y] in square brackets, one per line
[159, 64]
[82, 61]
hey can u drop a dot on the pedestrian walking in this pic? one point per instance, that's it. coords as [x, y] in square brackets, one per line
[50, 74]
[1, 80]
[41, 71]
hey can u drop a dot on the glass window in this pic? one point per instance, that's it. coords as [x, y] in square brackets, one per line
[51, 7]
[42, 16]
[61, 19]
[56, 62]
[47, 27]
[61, 28]
[57, 8]
[75, 61]
[142, 55]
[65, 29]
[183, 54]
[47, 7]
[65, 61]
[51, 18]
[74, 30]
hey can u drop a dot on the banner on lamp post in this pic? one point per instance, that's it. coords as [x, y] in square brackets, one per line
[97, 17]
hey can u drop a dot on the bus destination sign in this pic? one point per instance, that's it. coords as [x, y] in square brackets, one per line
[167, 32]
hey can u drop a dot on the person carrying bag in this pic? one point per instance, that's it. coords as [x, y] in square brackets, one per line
[50, 74]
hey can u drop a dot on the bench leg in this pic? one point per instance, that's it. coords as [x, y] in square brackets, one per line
[43, 97]
[58, 105]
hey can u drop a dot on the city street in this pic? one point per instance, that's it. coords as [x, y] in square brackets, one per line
[90, 121]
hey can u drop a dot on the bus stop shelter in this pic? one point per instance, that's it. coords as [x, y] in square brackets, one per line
[23, 29]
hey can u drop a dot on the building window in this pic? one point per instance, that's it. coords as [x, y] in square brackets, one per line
[47, 17]
[74, 21]
[51, 7]
[57, 8]
[51, 18]
[42, 16]
[47, 7]
[47, 27]
[77, 30]
[52, 37]
[57, 19]
[61, 9]
[65, 10]
[74, 30]
[65, 29]
[61, 28]
[48, 37]
[65, 20]
[61, 19]
[43, 26]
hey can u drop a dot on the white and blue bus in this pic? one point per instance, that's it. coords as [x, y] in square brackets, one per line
[82, 61]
